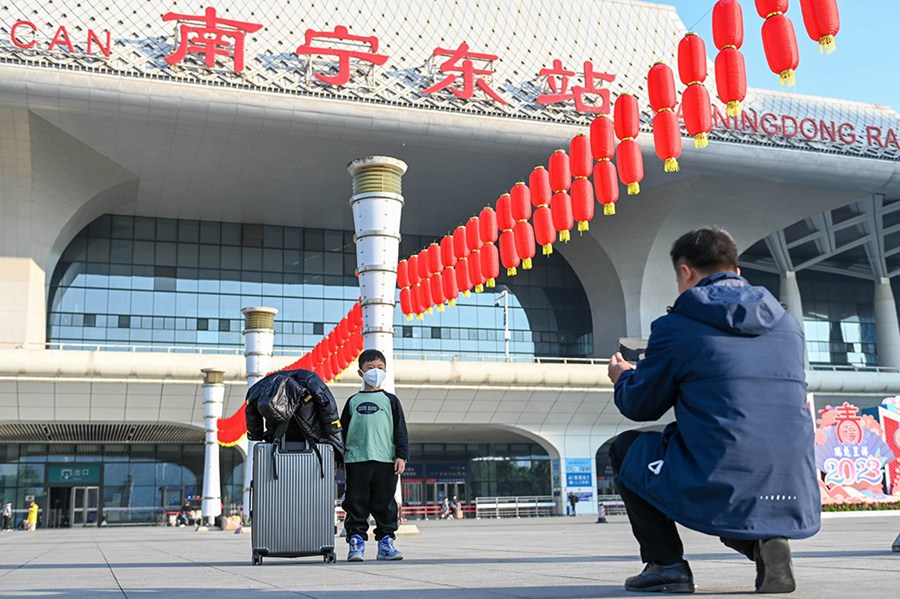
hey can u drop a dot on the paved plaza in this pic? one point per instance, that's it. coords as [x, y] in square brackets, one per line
[530, 558]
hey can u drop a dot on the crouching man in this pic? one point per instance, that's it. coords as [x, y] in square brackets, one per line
[738, 461]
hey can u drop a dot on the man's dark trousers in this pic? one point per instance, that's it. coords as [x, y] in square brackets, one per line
[370, 490]
[655, 532]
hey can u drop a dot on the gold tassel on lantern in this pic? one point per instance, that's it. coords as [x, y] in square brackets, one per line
[546, 250]
[420, 317]
[440, 307]
[788, 78]
[565, 236]
[511, 272]
[671, 165]
[583, 225]
[526, 264]
[633, 190]
[467, 293]
[479, 288]
[610, 209]
[429, 311]
[452, 302]
[827, 45]
[491, 283]
[409, 317]
[733, 109]
[701, 140]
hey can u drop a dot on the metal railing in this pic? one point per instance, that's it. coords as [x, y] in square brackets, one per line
[610, 505]
[515, 507]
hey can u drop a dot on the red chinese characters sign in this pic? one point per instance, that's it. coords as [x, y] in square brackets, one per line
[558, 82]
[211, 37]
[343, 54]
[462, 61]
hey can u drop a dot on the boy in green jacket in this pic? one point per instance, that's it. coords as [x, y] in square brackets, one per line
[377, 447]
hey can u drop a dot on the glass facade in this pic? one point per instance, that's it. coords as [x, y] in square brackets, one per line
[135, 483]
[129, 280]
[838, 316]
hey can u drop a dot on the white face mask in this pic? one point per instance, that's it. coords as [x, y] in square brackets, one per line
[374, 377]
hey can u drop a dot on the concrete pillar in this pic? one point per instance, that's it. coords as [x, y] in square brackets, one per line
[789, 294]
[213, 398]
[377, 204]
[259, 342]
[887, 330]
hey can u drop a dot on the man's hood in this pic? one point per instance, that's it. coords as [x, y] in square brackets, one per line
[728, 302]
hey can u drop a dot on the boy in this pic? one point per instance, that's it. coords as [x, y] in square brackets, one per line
[377, 447]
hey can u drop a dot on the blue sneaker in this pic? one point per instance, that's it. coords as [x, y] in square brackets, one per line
[386, 549]
[357, 549]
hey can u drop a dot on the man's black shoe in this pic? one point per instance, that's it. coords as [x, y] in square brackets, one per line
[676, 578]
[774, 572]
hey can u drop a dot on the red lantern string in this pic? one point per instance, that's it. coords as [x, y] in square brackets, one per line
[666, 133]
[437, 291]
[541, 194]
[448, 258]
[520, 206]
[779, 40]
[731, 72]
[561, 203]
[461, 251]
[822, 22]
[580, 156]
[627, 122]
[406, 303]
[695, 102]
[582, 202]
[473, 242]
[506, 223]
[490, 258]
[603, 149]
[450, 287]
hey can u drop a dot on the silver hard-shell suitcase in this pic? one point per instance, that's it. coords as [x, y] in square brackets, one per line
[292, 504]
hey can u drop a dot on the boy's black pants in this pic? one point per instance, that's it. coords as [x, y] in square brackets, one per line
[370, 489]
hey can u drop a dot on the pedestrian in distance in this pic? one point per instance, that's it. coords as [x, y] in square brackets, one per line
[377, 448]
[32, 518]
[573, 499]
[7, 514]
[738, 460]
[456, 508]
[445, 509]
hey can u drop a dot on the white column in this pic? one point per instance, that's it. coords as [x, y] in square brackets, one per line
[789, 295]
[259, 343]
[887, 330]
[213, 398]
[377, 204]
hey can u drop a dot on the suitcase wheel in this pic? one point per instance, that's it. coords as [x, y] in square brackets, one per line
[257, 559]
[330, 557]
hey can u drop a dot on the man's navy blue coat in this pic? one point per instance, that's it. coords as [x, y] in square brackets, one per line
[738, 461]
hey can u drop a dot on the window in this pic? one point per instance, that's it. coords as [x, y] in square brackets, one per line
[224, 325]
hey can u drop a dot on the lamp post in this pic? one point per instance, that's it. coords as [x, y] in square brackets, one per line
[504, 297]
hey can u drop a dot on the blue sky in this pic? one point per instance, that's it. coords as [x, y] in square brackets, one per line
[864, 67]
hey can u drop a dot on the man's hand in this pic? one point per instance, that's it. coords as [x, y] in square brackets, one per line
[618, 365]
[399, 466]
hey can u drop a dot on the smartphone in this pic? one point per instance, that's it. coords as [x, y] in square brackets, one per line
[632, 349]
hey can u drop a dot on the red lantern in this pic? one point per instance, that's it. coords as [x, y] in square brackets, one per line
[462, 277]
[406, 303]
[580, 156]
[412, 269]
[731, 80]
[449, 285]
[435, 266]
[583, 202]
[661, 87]
[505, 218]
[437, 291]
[460, 248]
[448, 258]
[508, 255]
[627, 120]
[475, 274]
[473, 235]
[524, 237]
[603, 140]
[490, 263]
[561, 211]
[544, 233]
[520, 201]
[539, 186]
[822, 22]
[402, 274]
[691, 59]
[336, 366]
[728, 24]
[487, 225]
[695, 105]
[731, 73]
[425, 296]
[697, 114]
[667, 138]
[560, 173]
[779, 40]
[630, 164]
[422, 265]
[605, 183]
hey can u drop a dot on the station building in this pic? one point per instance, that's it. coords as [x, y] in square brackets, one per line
[165, 165]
